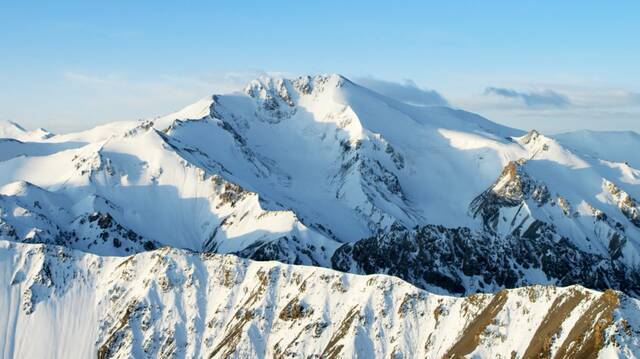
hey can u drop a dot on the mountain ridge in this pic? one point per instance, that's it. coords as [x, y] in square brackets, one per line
[169, 302]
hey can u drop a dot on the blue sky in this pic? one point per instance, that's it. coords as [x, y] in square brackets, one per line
[551, 65]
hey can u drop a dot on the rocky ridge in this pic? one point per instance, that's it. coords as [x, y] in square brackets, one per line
[167, 303]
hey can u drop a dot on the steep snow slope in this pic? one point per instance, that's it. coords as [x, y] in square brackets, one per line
[362, 160]
[365, 161]
[617, 146]
[59, 303]
[140, 185]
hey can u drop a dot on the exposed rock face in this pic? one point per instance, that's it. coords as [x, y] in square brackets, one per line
[627, 204]
[33, 215]
[101, 227]
[362, 163]
[519, 245]
[462, 262]
[287, 250]
[167, 303]
[513, 187]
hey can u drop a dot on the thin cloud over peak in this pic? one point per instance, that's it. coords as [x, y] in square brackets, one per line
[406, 91]
[544, 98]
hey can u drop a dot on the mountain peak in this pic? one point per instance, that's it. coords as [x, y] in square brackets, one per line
[531, 136]
[303, 84]
[271, 79]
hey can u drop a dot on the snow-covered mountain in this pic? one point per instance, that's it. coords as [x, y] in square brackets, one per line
[61, 303]
[317, 171]
[292, 170]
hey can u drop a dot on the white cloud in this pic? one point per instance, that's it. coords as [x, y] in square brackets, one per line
[537, 99]
[578, 107]
[407, 91]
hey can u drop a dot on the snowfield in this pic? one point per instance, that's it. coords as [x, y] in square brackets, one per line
[128, 220]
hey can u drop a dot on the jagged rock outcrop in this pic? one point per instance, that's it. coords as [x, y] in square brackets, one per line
[460, 261]
[513, 187]
[627, 204]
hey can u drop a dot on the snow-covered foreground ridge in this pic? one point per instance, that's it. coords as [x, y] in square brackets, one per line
[61, 303]
[324, 172]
